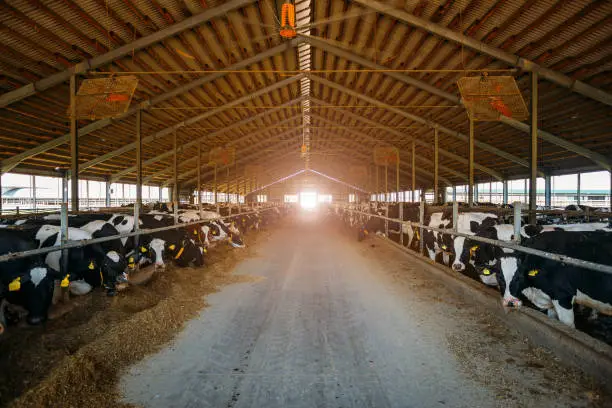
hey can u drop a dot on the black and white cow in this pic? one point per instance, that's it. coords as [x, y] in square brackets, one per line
[554, 286]
[27, 282]
[448, 245]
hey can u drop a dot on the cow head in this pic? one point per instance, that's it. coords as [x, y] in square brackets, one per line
[113, 266]
[509, 280]
[188, 252]
[34, 290]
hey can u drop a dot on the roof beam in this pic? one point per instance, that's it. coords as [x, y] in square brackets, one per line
[11, 162]
[421, 143]
[516, 124]
[201, 139]
[423, 121]
[249, 148]
[256, 155]
[422, 159]
[483, 48]
[190, 121]
[106, 58]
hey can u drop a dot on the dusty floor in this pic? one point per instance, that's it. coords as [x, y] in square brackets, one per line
[337, 323]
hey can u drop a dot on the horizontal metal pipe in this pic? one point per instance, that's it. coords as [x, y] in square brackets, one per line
[544, 254]
[85, 242]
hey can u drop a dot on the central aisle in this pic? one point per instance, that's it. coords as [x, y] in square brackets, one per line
[334, 323]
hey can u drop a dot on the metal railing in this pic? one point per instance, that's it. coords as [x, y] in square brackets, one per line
[503, 244]
[84, 242]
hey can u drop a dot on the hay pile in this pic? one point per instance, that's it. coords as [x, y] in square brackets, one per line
[76, 360]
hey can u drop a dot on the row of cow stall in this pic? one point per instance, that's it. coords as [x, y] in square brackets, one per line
[559, 265]
[49, 257]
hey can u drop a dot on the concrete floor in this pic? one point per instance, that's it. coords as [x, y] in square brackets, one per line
[337, 323]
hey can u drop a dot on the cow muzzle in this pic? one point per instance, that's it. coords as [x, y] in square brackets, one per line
[160, 266]
[512, 303]
[458, 267]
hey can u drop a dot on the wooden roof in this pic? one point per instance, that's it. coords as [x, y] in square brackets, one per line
[381, 73]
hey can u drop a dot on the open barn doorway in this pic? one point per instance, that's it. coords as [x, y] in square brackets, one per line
[308, 200]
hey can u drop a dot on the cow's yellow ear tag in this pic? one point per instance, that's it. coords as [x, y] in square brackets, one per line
[533, 272]
[91, 266]
[143, 249]
[65, 282]
[171, 247]
[131, 260]
[205, 250]
[486, 271]
[15, 285]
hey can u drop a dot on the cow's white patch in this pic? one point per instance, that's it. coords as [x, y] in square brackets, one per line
[566, 316]
[432, 254]
[489, 280]
[80, 288]
[37, 275]
[21, 222]
[504, 232]
[586, 300]
[540, 299]
[93, 226]
[458, 244]
[159, 217]
[114, 256]
[508, 267]
[157, 246]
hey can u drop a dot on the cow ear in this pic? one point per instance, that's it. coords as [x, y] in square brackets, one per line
[473, 226]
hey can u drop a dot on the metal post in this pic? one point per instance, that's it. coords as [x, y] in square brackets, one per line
[454, 193]
[33, 178]
[490, 192]
[138, 203]
[227, 191]
[377, 185]
[436, 191]
[505, 192]
[455, 215]
[215, 185]
[74, 145]
[107, 192]
[236, 183]
[476, 193]
[578, 190]
[160, 193]
[517, 222]
[175, 187]
[199, 187]
[534, 149]
[401, 224]
[413, 169]
[1, 193]
[548, 191]
[471, 165]
[421, 221]
[397, 184]
[64, 223]
[386, 183]
[87, 193]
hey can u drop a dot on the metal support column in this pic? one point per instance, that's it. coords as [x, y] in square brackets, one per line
[533, 181]
[227, 191]
[33, 182]
[548, 191]
[421, 221]
[107, 192]
[64, 223]
[175, 187]
[413, 168]
[74, 146]
[138, 204]
[160, 193]
[215, 186]
[471, 165]
[578, 189]
[476, 193]
[377, 185]
[505, 192]
[436, 191]
[199, 186]
[454, 193]
[517, 222]
[386, 183]
[0, 193]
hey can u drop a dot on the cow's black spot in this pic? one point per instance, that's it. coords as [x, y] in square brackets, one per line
[117, 220]
[124, 222]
